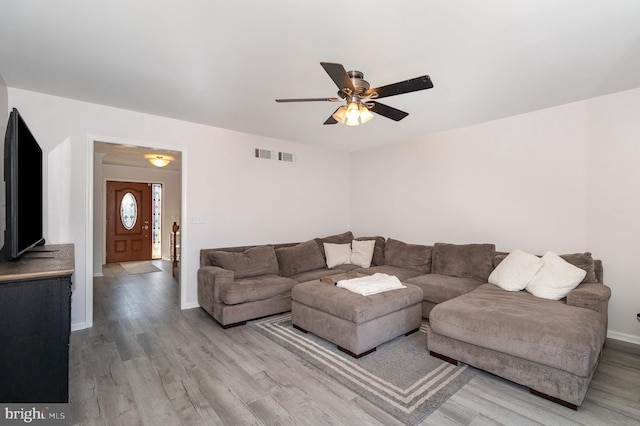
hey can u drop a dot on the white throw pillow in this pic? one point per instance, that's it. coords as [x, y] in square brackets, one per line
[516, 270]
[362, 252]
[337, 254]
[556, 278]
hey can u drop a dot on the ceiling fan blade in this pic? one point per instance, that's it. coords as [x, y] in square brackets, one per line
[310, 100]
[387, 111]
[332, 120]
[413, 85]
[339, 75]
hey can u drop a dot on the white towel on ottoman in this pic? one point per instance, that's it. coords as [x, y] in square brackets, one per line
[372, 284]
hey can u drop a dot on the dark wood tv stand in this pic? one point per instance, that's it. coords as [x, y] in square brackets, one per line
[35, 323]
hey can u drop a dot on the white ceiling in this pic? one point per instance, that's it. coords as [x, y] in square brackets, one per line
[223, 63]
[134, 156]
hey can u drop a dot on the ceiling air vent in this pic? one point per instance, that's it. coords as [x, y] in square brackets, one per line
[285, 156]
[266, 154]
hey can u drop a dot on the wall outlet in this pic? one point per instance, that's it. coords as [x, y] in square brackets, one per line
[198, 220]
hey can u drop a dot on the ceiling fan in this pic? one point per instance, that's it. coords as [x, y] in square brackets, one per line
[359, 97]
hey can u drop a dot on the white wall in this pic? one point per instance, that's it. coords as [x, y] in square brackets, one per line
[170, 180]
[244, 200]
[564, 179]
[613, 202]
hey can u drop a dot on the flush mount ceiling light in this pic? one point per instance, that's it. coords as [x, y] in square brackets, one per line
[159, 160]
[354, 89]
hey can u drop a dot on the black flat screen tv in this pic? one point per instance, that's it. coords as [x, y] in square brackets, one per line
[23, 187]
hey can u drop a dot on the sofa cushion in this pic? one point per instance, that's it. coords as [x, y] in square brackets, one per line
[556, 278]
[316, 274]
[581, 260]
[517, 323]
[259, 260]
[362, 252]
[378, 250]
[463, 260]
[402, 273]
[343, 238]
[440, 288]
[337, 254]
[299, 258]
[256, 288]
[516, 271]
[353, 307]
[408, 256]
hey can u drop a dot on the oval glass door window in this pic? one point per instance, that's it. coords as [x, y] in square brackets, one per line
[128, 211]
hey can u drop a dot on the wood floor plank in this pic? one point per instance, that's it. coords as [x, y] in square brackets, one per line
[270, 412]
[152, 401]
[225, 403]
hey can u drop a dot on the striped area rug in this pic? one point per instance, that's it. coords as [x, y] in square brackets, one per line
[400, 377]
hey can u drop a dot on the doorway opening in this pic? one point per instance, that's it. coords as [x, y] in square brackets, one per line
[117, 160]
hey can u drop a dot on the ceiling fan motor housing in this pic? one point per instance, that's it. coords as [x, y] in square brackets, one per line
[359, 83]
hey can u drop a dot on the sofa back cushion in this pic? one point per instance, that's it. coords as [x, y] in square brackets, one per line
[258, 260]
[583, 261]
[344, 238]
[463, 260]
[378, 250]
[409, 256]
[302, 257]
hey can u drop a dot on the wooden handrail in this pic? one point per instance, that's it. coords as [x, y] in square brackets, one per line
[176, 228]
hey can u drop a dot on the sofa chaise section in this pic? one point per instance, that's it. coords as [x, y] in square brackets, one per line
[550, 346]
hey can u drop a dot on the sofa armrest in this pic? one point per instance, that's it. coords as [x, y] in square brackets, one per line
[211, 281]
[594, 296]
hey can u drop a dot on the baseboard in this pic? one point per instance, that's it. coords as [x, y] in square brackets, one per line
[624, 337]
[98, 274]
[78, 326]
[189, 305]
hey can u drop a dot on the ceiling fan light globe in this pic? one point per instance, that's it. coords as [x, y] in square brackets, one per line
[352, 111]
[365, 114]
[339, 115]
[352, 122]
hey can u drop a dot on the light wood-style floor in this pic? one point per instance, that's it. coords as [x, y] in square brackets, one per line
[146, 362]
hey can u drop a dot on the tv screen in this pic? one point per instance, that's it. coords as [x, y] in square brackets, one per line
[23, 180]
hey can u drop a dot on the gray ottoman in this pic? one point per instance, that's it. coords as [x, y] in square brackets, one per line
[355, 323]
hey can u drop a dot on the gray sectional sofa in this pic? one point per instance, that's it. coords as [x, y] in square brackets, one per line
[550, 346]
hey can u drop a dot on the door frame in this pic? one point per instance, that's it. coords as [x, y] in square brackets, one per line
[90, 219]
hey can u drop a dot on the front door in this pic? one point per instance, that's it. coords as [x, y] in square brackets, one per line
[128, 221]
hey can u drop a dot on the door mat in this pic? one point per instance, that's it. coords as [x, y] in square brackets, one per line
[143, 267]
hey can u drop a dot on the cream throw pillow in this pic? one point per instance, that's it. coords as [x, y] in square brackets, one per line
[337, 254]
[556, 278]
[516, 270]
[362, 252]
